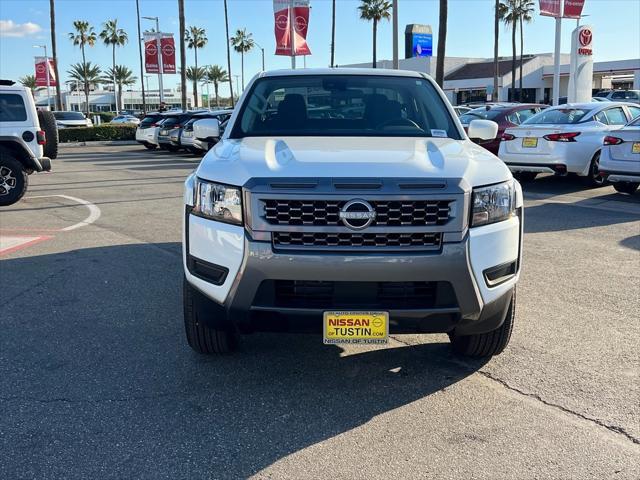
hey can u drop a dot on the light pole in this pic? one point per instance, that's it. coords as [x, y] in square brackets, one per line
[159, 48]
[46, 63]
[396, 63]
[237, 86]
[262, 51]
[206, 82]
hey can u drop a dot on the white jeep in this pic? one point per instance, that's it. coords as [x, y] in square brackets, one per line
[28, 141]
[362, 210]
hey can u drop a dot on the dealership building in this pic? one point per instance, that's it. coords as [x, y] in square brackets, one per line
[471, 79]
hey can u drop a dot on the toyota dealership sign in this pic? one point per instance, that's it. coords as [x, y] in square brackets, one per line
[581, 65]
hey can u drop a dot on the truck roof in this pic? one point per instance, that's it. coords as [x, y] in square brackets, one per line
[342, 71]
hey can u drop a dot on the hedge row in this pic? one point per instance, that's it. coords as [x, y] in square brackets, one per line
[106, 117]
[99, 132]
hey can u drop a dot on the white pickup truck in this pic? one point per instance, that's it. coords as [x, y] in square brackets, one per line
[350, 203]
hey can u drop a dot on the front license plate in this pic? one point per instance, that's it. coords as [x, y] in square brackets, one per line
[356, 327]
[529, 142]
[636, 147]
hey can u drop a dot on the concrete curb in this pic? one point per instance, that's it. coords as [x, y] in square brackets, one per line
[105, 143]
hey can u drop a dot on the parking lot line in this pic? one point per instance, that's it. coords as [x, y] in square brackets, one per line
[94, 211]
[13, 243]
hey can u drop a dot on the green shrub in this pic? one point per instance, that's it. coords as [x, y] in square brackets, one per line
[101, 132]
[106, 117]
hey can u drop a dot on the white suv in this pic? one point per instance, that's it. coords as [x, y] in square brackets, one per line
[28, 141]
[350, 203]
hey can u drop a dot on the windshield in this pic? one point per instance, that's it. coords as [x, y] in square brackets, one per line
[481, 113]
[557, 116]
[344, 105]
[69, 115]
[149, 120]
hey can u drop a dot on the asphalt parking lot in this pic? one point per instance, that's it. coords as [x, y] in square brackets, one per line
[97, 381]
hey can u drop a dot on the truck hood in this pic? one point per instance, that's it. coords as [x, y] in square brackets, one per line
[235, 161]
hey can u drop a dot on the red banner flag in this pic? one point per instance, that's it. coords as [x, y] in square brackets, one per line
[573, 8]
[550, 8]
[41, 72]
[151, 53]
[168, 53]
[283, 10]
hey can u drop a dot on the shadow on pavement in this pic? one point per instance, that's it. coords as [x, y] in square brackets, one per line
[631, 242]
[96, 376]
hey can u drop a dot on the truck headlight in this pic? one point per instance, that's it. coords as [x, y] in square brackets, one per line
[217, 202]
[492, 204]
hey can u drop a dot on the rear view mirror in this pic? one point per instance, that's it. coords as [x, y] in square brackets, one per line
[482, 130]
[206, 129]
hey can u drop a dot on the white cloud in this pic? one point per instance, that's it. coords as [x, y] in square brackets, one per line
[8, 28]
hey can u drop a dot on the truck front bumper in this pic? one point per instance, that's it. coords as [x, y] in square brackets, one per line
[237, 279]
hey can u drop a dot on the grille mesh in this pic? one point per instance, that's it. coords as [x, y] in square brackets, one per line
[327, 212]
[351, 240]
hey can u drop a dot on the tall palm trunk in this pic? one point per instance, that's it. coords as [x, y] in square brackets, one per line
[85, 81]
[333, 32]
[514, 28]
[242, 69]
[521, 62]
[226, 28]
[195, 81]
[442, 42]
[144, 101]
[54, 52]
[115, 84]
[375, 37]
[120, 97]
[215, 89]
[183, 57]
[496, 37]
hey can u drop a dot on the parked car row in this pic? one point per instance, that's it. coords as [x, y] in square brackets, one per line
[175, 131]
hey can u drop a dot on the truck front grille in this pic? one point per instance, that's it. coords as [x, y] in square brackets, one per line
[322, 213]
[367, 241]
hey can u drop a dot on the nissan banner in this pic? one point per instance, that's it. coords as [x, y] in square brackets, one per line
[573, 8]
[151, 52]
[168, 53]
[41, 72]
[550, 8]
[284, 11]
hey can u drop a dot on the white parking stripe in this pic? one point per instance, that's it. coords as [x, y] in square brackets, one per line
[94, 211]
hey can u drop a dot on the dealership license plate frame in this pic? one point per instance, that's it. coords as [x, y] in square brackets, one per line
[379, 330]
[529, 142]
[635, 148]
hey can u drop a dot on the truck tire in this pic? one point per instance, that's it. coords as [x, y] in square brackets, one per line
[150, 146]
[13, 179]
[486, 344]
[201, 338]
[626, 187]
[48, 124]
[524, 177]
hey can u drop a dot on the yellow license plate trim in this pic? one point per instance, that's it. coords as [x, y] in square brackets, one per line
[529, 142]
[636, 147]
[349, 327]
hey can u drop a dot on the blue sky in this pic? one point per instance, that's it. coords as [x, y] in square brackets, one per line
[470, 31]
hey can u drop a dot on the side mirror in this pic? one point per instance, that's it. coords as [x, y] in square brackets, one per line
[207, 128]
[482, 130]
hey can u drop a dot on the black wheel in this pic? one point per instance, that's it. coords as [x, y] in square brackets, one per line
[523, 177]
[173, 148]
[626, 187]
[48, 124]
[593, 179]
[195, 151]
[486, 344]
[150, 146]
[201, 338]
[13, 179]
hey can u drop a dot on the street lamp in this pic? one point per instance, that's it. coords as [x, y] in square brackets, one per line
[159, 48]
[237, 86]
[262, 50]
[206, 82]
[46, 63]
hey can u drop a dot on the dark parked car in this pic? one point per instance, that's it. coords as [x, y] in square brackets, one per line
[172, 121]
[505, 115]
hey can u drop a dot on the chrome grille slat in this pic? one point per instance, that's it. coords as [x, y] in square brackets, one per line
[422, 240]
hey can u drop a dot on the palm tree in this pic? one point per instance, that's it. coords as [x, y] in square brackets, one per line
[375, 10]
[83, 36]
[144, 100]
[196, 38]
[509, 13]
[122, 76]
[226, 28]
[525, 14]
[242, 43]
[183, 55]
[54, 52]
[442, 41]
[196, 74]
[116, 37]
[216, 75]
[86, 74]
[496, 37]
[29, 81]
[333, 32]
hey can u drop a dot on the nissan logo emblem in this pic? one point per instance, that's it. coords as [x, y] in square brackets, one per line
[357, 214]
